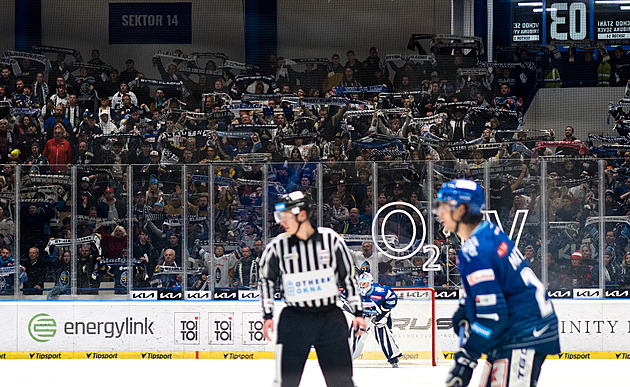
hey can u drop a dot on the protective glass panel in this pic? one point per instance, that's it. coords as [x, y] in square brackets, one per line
[574, 230]
[401, 228]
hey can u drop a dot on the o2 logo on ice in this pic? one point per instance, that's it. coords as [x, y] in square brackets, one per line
[252, 329]
[186, 328]
[221, 328]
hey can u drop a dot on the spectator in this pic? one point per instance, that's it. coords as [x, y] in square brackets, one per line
[36, 273]
[611, 269]
[63, 276]
[109, 207]
[568, 211]
[623, 278]
[147, 254]
[58, 150]
[577, 275]
[35, 224]
[246, 270]
[7, 277]
[114, 243]
[88, 280]
[174, 245]
[354, 225]
[162, 276]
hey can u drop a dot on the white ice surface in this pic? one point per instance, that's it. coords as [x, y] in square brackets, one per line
[253, 373]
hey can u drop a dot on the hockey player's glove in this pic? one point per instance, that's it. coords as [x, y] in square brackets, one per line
[460, 320]
[462, 370]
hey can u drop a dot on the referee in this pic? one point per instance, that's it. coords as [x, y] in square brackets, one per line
[310, 264]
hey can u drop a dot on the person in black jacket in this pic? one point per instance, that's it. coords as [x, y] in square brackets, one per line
[36, 272]
[35, 224]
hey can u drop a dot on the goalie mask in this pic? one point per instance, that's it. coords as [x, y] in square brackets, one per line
[365, 283]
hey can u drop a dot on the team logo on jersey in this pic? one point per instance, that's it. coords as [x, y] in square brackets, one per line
[123, 278]
[290, 256]
[502, 250]
[324, 257]
[365, 267]
[480, 276]
[486, 300]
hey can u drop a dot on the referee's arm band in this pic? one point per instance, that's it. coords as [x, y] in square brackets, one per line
[268, 316]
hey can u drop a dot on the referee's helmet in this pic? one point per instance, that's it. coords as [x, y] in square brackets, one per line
[294, 202]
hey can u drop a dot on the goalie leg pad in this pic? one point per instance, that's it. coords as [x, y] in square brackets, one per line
[385, 339]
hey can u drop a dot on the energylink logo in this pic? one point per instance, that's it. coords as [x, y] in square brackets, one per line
[42, 328]
[109, 329]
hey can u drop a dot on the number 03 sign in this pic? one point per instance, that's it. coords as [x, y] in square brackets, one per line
[407, 251]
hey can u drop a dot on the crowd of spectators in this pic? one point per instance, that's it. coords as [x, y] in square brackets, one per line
[313, 125]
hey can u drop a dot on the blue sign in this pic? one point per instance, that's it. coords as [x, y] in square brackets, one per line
[150, 23]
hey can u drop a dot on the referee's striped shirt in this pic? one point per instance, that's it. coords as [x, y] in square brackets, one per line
[286, 254]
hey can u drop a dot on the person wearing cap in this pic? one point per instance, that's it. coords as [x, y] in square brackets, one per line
[173, 206]
[109, 207]
[140, 210]
[88, 126]
[299, 256]
[85, 197]
[397, 193]
[347, 200]
[153, 169]
[103, 107]
[129, 73]
[578, 275]
[154, 194]
[105, 123]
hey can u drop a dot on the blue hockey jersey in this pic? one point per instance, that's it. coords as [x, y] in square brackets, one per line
[506, 304]
[380, 299]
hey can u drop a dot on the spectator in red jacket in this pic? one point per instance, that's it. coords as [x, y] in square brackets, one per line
[114, 243]
[58, 151]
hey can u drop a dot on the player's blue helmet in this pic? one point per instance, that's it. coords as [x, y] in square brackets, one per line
[462, 191]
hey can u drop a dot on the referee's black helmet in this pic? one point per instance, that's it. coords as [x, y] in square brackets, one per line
[294, 202]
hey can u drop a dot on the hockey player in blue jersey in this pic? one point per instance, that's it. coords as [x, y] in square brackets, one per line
[505, 313]
[378, 302]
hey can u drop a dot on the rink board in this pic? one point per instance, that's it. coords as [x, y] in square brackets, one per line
[589, 329]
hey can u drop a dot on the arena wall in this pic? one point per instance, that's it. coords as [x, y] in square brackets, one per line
[228, 329]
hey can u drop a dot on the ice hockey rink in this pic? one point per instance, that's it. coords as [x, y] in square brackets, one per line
[250, 373]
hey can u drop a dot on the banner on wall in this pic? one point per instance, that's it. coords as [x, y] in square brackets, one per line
[68, 330]
[150, 23]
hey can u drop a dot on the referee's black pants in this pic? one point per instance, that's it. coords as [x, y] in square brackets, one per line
[324, 328]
